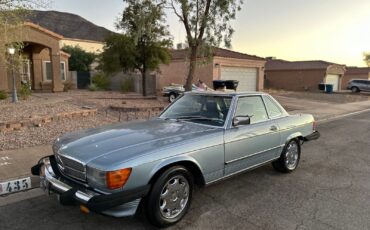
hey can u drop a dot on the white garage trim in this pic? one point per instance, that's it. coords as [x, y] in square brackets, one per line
[247, 77]
[334, 80]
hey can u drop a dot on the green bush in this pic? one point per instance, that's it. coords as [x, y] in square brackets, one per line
[93, 87]
[3, 95]
[127, 85]
[25, 91]
[101, 81]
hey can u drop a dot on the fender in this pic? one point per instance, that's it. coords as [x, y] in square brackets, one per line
[173, 160]
[292, 136]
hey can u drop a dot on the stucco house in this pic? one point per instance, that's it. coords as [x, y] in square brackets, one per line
[224, 65]
[74, 29]
[302, 75]
[355, 73]
[45, 65]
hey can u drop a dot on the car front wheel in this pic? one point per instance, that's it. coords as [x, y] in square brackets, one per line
[170, 197]
[355, 90]
[289, 158]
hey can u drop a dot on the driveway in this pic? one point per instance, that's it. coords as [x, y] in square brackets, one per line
[322, 106]
[329, 190]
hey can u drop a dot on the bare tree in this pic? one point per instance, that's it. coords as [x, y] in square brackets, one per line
[207, 25]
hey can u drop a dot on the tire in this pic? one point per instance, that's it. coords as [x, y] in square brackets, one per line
[158, 212]
[172, 97]
[289, 158]
[355, 89]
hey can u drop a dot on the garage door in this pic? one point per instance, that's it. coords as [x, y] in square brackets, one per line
[247, 77]
[334, 80]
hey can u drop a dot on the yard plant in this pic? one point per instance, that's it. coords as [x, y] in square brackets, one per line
[25, 92]
[3, 95]
[101, 81]
[144, 42]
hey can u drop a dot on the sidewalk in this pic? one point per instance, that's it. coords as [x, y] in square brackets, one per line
[16, 164]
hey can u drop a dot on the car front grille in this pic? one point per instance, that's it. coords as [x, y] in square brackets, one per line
[71, 167]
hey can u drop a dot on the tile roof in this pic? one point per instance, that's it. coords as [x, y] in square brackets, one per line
[217, 52]
[278, 64]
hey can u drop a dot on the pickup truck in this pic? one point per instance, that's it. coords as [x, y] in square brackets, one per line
[200, 139]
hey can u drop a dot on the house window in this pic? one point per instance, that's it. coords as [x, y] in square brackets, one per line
[63, 71]
[48, 73]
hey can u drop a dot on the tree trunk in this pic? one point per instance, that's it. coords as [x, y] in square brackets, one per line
[144, 74]
[192, 67]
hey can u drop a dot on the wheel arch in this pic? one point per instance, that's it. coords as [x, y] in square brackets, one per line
[297, 135]
[188, 163]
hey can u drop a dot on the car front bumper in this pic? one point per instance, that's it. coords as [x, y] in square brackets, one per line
[119, 204]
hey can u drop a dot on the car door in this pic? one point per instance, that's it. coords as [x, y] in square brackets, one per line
[367, 83]
[250, 145]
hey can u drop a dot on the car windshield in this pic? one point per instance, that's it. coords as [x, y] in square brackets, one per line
[204, 109]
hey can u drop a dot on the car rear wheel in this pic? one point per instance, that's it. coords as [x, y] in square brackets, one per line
[355, 89]
[289, 158]
[171, 97]
[170, 197]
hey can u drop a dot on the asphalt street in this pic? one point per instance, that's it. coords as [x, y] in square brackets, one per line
[329, 190]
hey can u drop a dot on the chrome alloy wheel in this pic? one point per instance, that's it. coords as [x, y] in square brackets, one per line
[174, 197]
[292, 155]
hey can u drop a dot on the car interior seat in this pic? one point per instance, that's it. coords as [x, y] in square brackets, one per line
[213, 110]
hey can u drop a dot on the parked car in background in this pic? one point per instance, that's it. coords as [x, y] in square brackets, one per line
[174, 91]
[200, 139]
[358, 85]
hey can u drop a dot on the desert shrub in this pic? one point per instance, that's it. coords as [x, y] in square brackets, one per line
[93, 87]
[127, 85]
[101, 81]
[67, 86]
[25, 91]
[3, 95]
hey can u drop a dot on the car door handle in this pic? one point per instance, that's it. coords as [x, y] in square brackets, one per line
[273, 128]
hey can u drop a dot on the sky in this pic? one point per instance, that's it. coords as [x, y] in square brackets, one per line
[332, 30]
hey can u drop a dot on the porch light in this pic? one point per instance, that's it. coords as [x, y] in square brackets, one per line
[11, 50]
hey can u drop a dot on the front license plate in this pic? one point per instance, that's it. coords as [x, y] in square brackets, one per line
[15, 185]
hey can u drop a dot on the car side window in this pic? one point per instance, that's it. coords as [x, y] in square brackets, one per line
[272, 109]
[252, 106]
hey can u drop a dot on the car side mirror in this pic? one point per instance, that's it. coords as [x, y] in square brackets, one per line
[241, 120]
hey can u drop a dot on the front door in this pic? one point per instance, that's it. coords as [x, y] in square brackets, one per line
[250, 145]
[25, 72]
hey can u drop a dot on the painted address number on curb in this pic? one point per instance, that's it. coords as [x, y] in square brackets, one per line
[15, 185]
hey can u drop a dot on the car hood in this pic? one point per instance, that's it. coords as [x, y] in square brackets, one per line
[121, 142]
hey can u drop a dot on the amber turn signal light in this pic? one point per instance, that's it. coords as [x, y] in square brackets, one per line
[117, 179]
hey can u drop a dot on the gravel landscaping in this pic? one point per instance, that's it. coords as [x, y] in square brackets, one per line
[48, 133]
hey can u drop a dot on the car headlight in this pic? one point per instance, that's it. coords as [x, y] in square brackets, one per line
[108, 179]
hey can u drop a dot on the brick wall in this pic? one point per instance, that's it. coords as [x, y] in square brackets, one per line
[295, 80]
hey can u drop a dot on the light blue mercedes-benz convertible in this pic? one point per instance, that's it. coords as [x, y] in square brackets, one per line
[200, 139]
